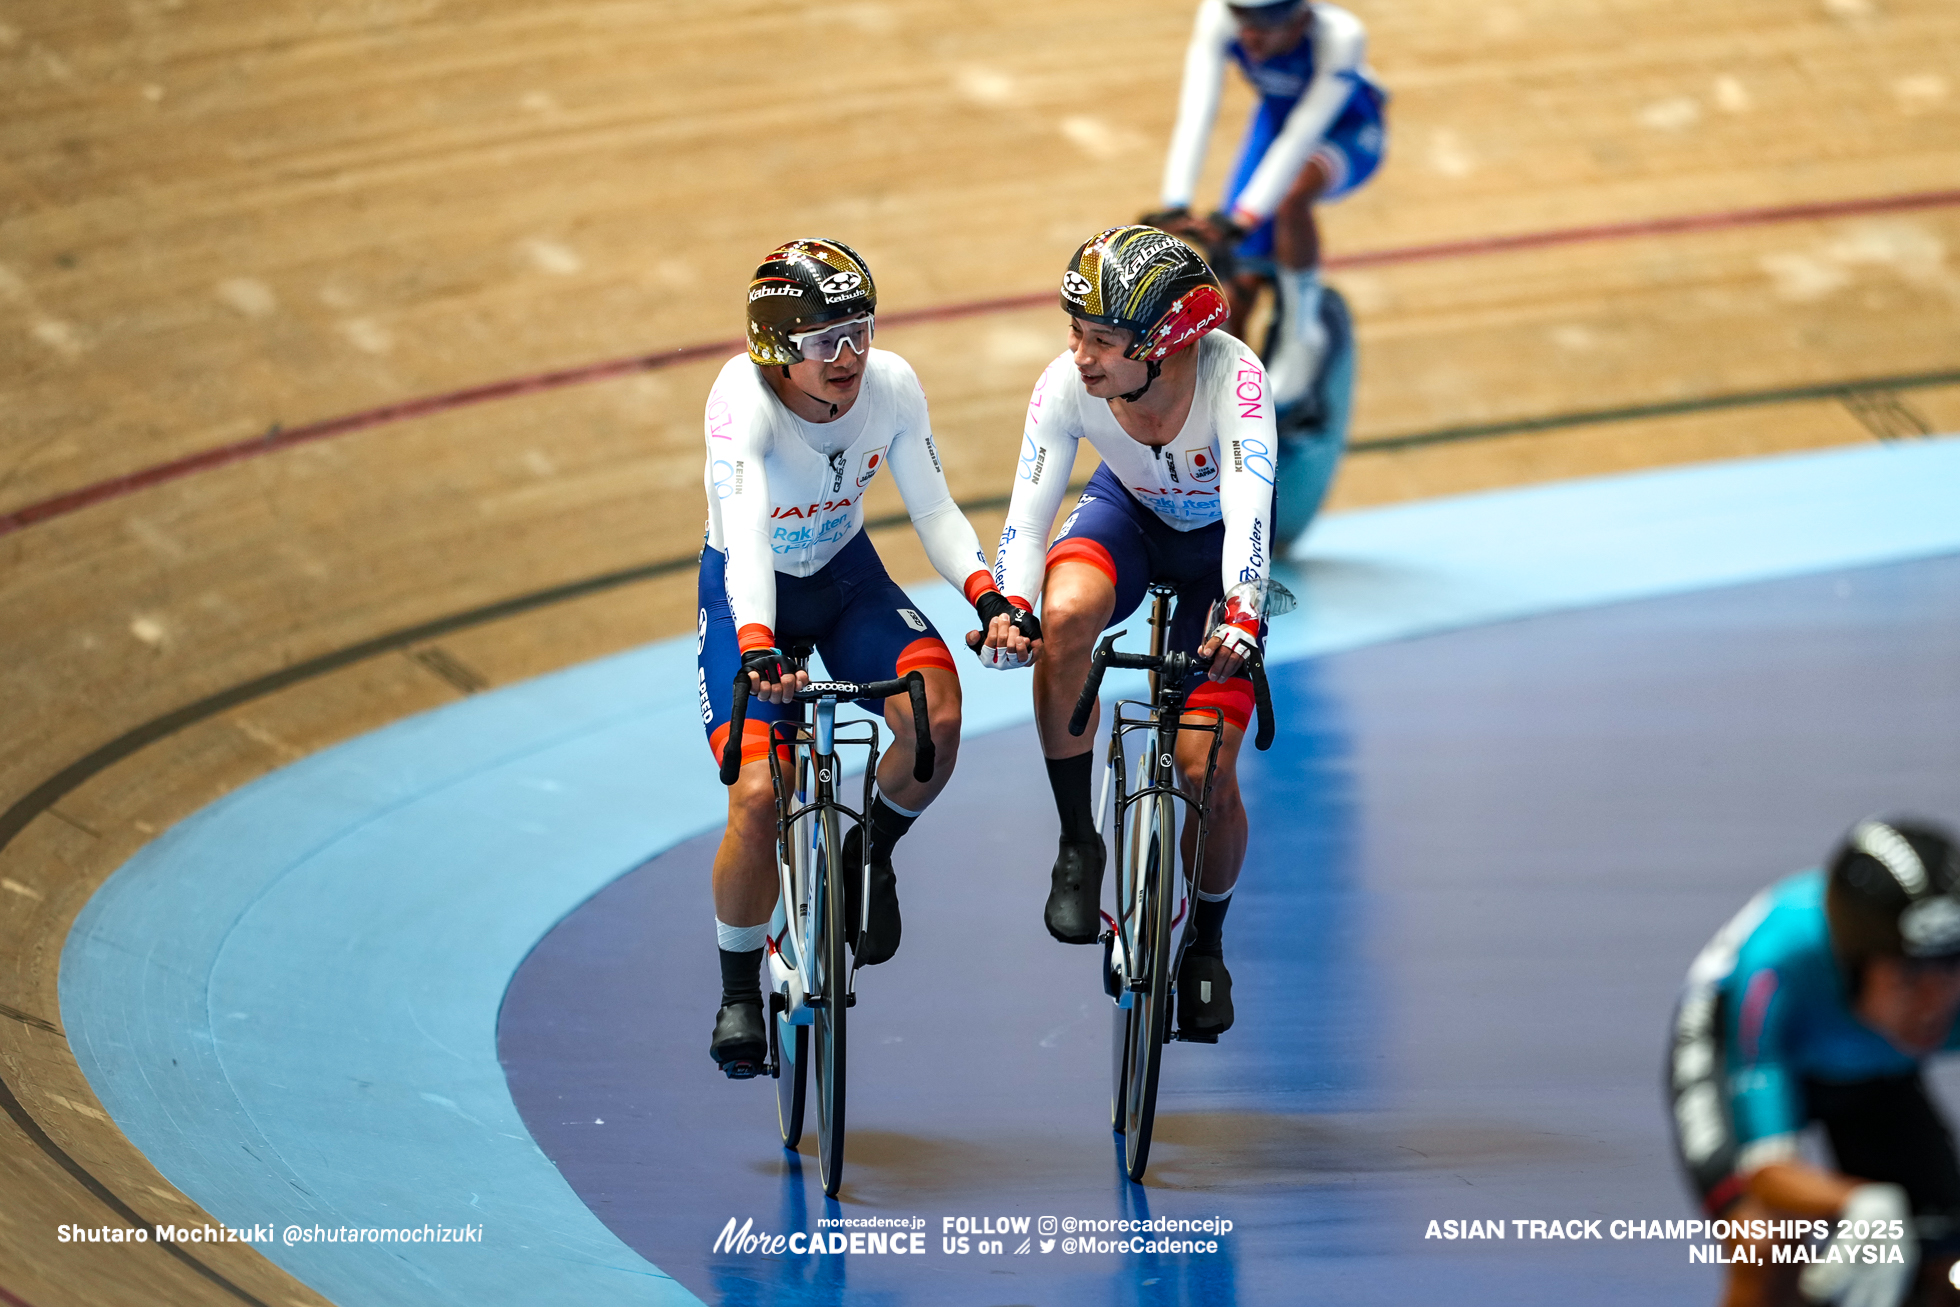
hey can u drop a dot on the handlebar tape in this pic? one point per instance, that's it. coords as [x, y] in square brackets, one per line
[1262, 699]
[924, 752]
[731, 749]
[1085, 703]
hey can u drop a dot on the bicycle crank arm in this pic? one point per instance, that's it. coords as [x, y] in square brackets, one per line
[850, 1000]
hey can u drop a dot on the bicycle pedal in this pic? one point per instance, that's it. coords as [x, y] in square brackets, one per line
[740, 1070]
[1190, 1037]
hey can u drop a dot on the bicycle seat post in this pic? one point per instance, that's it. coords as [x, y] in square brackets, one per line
[1160, 629]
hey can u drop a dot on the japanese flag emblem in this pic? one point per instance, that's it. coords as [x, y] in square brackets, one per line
[1203, 464]
[868, 466]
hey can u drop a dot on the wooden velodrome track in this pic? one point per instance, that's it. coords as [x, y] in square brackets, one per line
[1733, 231]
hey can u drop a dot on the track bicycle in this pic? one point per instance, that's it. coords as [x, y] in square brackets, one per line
[811, 983]
[1144, 943]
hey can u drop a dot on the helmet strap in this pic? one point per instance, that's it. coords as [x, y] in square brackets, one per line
[1137, 394]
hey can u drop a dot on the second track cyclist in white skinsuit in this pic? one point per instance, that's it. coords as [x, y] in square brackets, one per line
[1182, 417]
[797, 430]
[1316, 136]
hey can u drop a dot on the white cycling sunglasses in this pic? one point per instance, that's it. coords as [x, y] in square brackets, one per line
[823, 344]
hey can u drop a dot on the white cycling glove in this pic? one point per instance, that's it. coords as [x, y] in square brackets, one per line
[1002, 659]
[1875, 1248]
[990, 604]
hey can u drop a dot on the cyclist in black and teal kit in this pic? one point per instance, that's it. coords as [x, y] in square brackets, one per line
[1819, 1002]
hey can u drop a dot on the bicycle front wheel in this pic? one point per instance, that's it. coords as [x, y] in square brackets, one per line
[835, 977]
[792, 1055]
[1150, 1006]
[1122, 1040]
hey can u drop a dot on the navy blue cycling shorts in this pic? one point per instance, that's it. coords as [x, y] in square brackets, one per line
[1133, 547]
[862, 624]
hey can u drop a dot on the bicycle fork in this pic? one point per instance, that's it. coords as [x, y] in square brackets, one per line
[793, 944]
[1157, 768]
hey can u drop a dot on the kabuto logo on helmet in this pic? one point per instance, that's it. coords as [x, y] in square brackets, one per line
[763, 292]
[840, 283]
[1075, 284]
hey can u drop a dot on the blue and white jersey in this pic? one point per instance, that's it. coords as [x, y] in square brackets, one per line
[1784, 1015]
[1309, 85]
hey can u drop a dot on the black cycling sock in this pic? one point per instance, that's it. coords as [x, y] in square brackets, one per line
[1208, 927]
[888, 826]
[1069, 778]
[741, 977]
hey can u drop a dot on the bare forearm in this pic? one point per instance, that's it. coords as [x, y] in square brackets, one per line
[1800, 1189]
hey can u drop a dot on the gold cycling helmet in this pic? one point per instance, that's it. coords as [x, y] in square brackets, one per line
[802, 286]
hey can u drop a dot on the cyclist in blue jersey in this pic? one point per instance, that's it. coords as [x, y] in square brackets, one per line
[1316, 136]
[1820, 1002]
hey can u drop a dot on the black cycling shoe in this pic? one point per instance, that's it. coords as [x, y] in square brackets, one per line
[1073, 913]
[1204, 998]
[741, 1043]
[883, 927]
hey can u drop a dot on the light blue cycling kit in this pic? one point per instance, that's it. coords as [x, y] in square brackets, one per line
[1764, 1012]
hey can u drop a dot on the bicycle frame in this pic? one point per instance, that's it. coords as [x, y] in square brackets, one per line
[1158, 766]
[1158, 769]
[1146, 939]
[811, 980]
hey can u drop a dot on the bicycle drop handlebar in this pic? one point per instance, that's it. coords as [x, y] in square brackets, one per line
[1174, 667]
[911, 684]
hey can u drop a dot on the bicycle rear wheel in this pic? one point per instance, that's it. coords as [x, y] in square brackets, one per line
[792, 1055]
[1150, 1006]
[828, 1039]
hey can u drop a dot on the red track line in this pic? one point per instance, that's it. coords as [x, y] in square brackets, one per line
[1649, 227]
[277, 438]
[12, 1301]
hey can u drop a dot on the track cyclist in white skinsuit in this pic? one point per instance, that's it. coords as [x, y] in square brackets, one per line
[1181, 415]
[797, 430]
[1316, 136]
